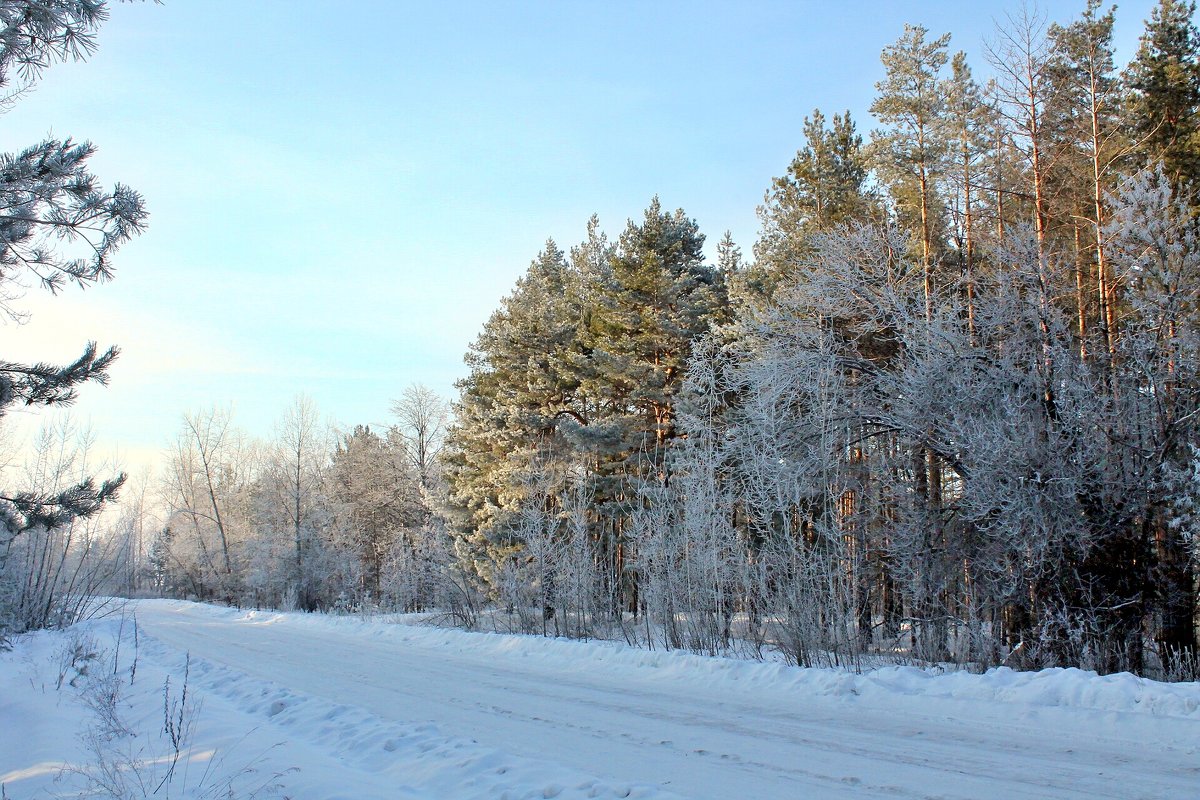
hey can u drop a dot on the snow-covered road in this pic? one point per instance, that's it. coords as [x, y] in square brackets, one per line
[705, 728]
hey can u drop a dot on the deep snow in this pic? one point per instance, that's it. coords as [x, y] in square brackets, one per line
[308, 706]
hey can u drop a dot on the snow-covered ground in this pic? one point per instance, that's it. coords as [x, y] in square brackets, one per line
[306, 706]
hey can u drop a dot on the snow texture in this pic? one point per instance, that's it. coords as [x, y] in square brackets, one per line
[310, 706]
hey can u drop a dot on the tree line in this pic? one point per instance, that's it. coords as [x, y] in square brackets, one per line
[309, 519]
[948, 408]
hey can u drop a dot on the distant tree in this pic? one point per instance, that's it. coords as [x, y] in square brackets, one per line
[421, 419]
[293, 486]
[209, 471]
[377, 499]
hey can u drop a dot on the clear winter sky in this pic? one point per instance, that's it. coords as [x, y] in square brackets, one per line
[342, 192]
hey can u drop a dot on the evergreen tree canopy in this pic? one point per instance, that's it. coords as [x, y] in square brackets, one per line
[582, 364]
[910, 154]
[1164, 83]
[663, 296]
[825, 186]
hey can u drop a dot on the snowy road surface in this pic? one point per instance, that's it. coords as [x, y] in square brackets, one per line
[705, 728]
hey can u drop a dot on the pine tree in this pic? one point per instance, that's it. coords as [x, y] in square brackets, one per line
[57, 226]
[967, 126]
[523, 385]
[1164, 97]
[911, 155]
[824, 186]
[1089, 145]
[662, 298]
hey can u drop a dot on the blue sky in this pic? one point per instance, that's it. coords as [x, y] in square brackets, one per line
[341, 193]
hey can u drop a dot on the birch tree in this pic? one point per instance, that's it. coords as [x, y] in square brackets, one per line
[207, 467]
[294, 493]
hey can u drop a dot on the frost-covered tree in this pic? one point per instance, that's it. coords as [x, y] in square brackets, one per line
[585, 360]
[292, 498]
[1156, 244]
[421, 419]
[707, 555]
[50, 575]
[206, 486]
[377, 508]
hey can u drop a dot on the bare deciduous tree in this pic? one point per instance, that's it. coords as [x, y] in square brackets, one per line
[421, 418]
